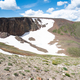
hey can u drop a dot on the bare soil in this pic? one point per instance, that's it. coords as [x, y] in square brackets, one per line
[31, 39]
[38, 48]
[63, 39]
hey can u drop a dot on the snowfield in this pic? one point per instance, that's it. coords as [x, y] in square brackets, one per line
[42, 38]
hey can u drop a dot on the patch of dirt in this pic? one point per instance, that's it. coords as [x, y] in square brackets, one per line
[62, 38]
[31, 39]
[19, 39]
[26, 53]
[34, 46]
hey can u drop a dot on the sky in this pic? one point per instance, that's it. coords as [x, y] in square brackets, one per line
[67, 9]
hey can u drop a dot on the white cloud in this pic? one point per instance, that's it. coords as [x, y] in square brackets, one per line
[8, 5]
[75, 4]
[66, 14]
[50, 10]
[71, 12]
[30, 5]
[56, 8]
[46, 0]
[60, 3]
[32, 13]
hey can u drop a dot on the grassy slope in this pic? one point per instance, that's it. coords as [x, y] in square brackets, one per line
[70, 29]
[72, 44]
[15, 50]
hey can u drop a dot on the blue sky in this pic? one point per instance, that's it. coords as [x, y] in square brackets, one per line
[68, 9]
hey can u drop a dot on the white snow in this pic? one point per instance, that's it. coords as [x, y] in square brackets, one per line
[4, 52]
[42, 38]
[8, 53]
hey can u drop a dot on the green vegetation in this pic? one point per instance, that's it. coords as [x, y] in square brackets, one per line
[9, 57]
[73, 73]
[45, 61]
[7, 68]
[72, 47]
[0, 62]
[65, 68]
[21, 73]
[46, 70]
[71, 41]
[67, 64]
[67, 74]
[55, 62]
[15, 50]
[74, 51]
[31, 78]
[10, 64]
[37, 67]
[71, 29]
[55, 30]
[59, 31]
[27, 70]
[16, 74]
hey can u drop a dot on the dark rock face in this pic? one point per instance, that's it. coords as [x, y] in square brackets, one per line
[17, 26]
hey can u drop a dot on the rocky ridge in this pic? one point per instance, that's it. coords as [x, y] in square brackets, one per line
[18, 26]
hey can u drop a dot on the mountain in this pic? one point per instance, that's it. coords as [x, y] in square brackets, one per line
[68, 34]
[17, 26]
[40, 35]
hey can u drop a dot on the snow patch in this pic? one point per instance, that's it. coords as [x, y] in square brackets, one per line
[42, 38]
[8, 53]
[4, 52]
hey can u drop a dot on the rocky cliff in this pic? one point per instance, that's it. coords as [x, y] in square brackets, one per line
[18, 26]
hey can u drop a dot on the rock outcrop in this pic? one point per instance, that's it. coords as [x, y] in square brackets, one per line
[18, 26]
[3, 34]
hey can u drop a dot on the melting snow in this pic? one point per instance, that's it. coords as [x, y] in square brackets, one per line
[42, 38]
[4, 52]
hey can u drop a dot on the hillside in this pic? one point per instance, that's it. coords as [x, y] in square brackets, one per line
[40, 35]
[68, 34]
[35, 41]
[39, 49]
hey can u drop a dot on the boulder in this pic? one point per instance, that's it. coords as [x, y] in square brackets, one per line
[3, 34]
